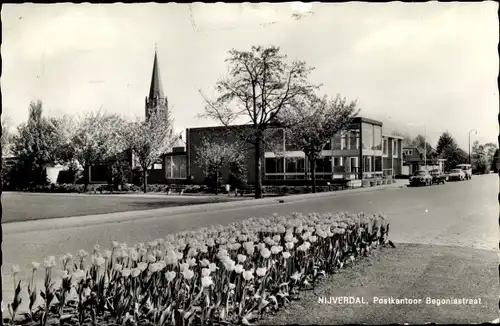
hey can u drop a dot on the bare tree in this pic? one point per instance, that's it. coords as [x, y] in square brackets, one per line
[260, 84]
[95, 139]
[213, 155]
[314, 122]
[149, 139]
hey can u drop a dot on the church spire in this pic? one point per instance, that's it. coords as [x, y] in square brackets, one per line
[156, 89]
[156, 97]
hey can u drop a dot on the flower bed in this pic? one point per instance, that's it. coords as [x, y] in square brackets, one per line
[216, 275]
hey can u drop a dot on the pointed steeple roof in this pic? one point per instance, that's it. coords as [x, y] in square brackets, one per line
[156, 89]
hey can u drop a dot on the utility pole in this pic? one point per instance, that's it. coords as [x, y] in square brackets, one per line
[475, 133]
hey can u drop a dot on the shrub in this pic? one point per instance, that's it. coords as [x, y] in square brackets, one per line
[120, 172]
[216, 275]
[137, 177]
[194, 189]
[238, 178]
[131, 187]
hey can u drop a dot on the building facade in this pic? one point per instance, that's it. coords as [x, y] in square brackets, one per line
[358, 153]
[413, 160]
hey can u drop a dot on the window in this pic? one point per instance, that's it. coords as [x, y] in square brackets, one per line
[377, 138]
[407, 152]
[347, 140]
[385, 146]
[176, 167]
[394, 148]
[324, 165]
[378, 163]
[354, 164]
[275, 177]
[367, 134]
[354, 139]
[157, 166]
[367, 162]
[337, 142]
[343, 142]
[274, 165]
[295, 165]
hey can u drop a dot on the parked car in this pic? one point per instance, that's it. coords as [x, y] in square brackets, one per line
[467, 169]
[437, 176]
[421, 178]
[456, 175]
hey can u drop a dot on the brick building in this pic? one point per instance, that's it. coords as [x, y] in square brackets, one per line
[413, 160]
[360, 152]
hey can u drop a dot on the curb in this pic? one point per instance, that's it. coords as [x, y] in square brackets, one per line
[169, 212]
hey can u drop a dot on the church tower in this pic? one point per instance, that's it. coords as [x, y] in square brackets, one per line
[156, 99]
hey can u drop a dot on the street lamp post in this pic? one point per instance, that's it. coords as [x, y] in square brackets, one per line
[475, 133]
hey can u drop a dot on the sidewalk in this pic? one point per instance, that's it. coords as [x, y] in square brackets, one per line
[410, 272]
[75, 221]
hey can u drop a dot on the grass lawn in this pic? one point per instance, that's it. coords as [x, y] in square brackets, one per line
[18, 207]
[409, 271]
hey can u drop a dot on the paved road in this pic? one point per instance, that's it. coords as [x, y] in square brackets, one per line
[458, 214]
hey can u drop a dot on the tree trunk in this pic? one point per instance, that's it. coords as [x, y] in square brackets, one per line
[216, 183]
[258, 166]
[313, 174]
[145, 179]
[86, 170]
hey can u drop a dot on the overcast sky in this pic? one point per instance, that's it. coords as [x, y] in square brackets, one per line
[410, 65]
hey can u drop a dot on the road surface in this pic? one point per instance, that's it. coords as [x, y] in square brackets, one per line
[461, 214]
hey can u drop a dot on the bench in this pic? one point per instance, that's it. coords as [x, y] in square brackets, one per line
[338, 184]
[176, 188]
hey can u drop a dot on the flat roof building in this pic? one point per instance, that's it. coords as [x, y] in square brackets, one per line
[362, 151]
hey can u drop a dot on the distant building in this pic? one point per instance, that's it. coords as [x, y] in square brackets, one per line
[413, 160]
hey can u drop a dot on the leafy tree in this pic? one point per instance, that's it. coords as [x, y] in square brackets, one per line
[490, 149]
[37, 144]
[238, 176]
[445, 142]
[6, 143]
[120, 173]
[482, 157]
[6, 137]
[213, 155]
[494, 161]
[448, 149]
[479, 159]
[96, 139]
[149, 139]
[260, 84]
[422, 145]
[314, 122]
